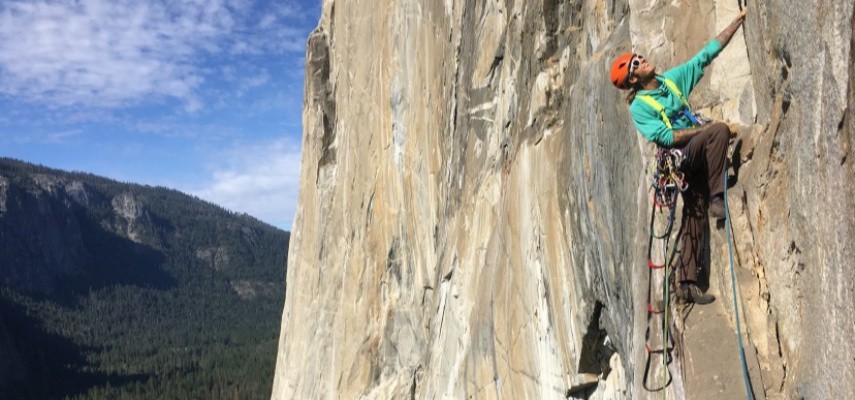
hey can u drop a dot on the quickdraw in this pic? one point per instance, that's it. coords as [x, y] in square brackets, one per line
[668, 182]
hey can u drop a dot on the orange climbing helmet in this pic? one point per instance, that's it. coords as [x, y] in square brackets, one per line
[620, 71]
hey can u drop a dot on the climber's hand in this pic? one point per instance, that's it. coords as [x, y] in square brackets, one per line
[741, 16]
[733, 128]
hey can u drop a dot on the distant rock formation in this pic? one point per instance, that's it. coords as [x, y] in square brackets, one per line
[472, 217]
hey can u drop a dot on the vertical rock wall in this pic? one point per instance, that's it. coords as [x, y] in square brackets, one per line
[474, 202]
[795, 213]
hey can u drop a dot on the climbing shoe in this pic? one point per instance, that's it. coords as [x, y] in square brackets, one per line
[691, 293]
[717, 208]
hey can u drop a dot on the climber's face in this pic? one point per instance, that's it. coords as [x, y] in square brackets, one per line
[640, 69]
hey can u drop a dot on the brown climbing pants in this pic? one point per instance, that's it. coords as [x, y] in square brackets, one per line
[706, 161]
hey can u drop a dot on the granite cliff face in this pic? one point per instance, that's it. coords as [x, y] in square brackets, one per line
[474, 201]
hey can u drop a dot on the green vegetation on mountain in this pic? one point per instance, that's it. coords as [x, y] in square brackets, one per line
[112, 290]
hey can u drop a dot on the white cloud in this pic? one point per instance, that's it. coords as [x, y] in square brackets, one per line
[62, 136]
[261, 179]
[113, 53]
[252, 82]
[103, 52]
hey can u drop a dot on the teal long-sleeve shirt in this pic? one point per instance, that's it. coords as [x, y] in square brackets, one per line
[648, 121]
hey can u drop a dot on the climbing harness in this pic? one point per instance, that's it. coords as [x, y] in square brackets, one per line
[668, 182]
[748, 392]
[686, 110]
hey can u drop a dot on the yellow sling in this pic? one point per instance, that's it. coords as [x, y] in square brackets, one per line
[658, 107]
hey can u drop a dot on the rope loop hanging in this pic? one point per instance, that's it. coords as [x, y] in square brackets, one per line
[668, 182]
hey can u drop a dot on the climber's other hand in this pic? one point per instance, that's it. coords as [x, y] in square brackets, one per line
[733, 128]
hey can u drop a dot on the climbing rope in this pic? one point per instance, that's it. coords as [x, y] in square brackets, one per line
[667, 184]
[748, 392]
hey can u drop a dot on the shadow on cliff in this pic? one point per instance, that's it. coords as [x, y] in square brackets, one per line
[47, 365]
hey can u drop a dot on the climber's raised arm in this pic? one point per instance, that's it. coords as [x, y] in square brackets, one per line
[724, 37]
[687, 75]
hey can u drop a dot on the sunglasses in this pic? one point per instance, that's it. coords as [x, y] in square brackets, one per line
[633, 64]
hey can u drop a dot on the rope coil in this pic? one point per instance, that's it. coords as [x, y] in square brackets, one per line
[668, 183]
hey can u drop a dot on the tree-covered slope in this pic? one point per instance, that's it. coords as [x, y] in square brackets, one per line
[117, 290]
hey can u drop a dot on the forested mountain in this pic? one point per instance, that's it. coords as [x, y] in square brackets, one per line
[111, 290]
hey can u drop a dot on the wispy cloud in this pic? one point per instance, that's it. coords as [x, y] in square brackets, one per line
[112, 53]
[133, 81]
[62, 136]
[260, 179]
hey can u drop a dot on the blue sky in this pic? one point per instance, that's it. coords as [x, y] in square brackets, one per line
[204, 96]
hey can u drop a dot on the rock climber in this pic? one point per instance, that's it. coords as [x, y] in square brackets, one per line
[662, 115]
